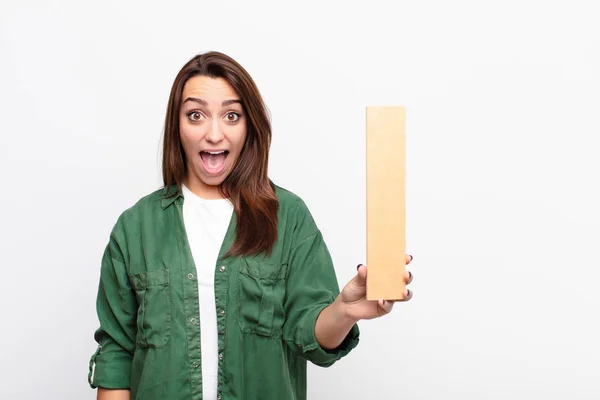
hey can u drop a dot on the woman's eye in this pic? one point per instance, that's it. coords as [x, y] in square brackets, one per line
[195, 116]
[232, 117]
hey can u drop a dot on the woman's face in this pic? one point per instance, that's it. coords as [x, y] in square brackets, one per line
[212, 127]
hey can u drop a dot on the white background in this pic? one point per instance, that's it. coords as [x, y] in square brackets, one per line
[503, 160]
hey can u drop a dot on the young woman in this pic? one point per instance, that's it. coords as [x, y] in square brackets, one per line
[219, 285]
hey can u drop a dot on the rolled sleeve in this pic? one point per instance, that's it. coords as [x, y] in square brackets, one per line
[112, 367]
[116, 305]
[326, 357]
[312, 286]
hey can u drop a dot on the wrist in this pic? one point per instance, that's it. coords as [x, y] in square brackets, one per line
[333, 325]
[340, 312]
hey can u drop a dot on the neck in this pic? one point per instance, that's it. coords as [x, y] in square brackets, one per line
[202, 190]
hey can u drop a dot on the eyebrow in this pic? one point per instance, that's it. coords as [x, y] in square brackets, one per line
[204, 103]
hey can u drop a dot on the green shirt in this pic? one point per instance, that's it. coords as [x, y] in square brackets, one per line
[148, 308]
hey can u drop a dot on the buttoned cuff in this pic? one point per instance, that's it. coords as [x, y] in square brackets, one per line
[112, 369]
[326, 357]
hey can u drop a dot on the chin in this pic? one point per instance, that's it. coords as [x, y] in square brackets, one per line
[213, 181]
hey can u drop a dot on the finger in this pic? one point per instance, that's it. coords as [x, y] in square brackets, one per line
[409, 258]
[385, 305]
[408, 277]
[408, 294]
[361, 277]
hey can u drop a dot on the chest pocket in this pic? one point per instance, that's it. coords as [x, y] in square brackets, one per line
[154, 311]
[261, 292]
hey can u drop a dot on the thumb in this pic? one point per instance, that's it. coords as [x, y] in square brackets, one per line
[361, 277]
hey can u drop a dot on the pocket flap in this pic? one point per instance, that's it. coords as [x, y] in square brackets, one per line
[263, 270]
[157, 277]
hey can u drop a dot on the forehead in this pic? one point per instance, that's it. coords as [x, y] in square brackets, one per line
[207, 87]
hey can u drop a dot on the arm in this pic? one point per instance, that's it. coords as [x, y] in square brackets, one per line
[111, 394]
[312, 290]
[117, 308]
[335, 321]
[333, 325]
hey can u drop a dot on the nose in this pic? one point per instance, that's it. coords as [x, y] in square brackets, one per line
[215, 133]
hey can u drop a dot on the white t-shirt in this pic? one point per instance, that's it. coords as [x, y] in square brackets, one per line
[206, 223]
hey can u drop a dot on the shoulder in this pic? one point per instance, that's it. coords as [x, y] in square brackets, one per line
[290, 202]
[146, 211]
[294, 214]
[285, 196]
[148, 207]
[151, 202]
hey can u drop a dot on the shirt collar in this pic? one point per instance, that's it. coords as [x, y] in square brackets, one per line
[170, 195]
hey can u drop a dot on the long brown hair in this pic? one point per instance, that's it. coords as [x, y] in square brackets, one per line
[247, 186]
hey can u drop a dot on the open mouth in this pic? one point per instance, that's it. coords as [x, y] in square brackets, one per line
[214, 161]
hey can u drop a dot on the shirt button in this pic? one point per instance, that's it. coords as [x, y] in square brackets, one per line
[193, 321]
[190, 276]
[219, 397]
[222, 269]
[221, 356]
[222, 312]
[195, 365]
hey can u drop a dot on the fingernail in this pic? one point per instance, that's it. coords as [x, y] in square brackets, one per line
[411, 257]
[409, 275]
[358, 266]
[407, 293]
[383, 302]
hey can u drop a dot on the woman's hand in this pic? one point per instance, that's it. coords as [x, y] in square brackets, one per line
[354, 296]
[336, 320]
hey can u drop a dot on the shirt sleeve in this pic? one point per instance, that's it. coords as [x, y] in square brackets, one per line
[116, 306]
[311, 286]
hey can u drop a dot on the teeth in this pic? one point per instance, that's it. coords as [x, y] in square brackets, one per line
[215, 152]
